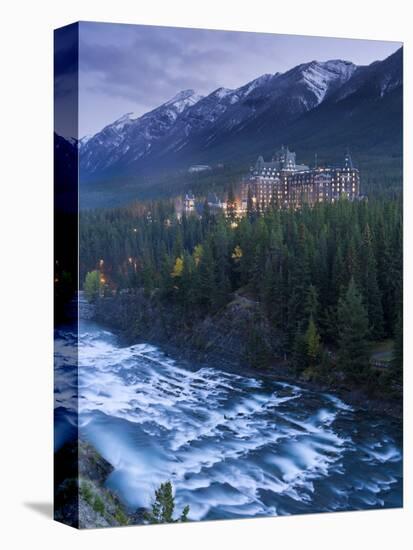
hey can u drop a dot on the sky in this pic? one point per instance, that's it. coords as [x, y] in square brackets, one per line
[133, 68]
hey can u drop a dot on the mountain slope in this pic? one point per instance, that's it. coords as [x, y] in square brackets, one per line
[375, 80]
[130, 138]
[188, 121]
[321, 107]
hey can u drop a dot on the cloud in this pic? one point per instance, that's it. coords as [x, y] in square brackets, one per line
[153, 66]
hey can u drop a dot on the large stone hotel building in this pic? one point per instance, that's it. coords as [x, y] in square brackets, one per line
[285, 184]
[282, 183]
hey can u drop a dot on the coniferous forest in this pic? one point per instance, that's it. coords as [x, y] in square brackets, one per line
[328, 278]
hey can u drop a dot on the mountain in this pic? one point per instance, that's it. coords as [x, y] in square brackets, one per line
[315, 105]
[65, 161]
[65, 177]
[366, 114]
[377, 79]
[130, 138]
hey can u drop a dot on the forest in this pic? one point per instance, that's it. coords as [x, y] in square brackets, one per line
[328, 278]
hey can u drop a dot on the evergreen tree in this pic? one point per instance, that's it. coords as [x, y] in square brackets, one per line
[339, 276]
[312, 341]
[206, 290]
[257, 350]
[163, 506]
[353, 331]
[312, 305]
[370, 286]
[299, 277]
[92, 285]
[221, 265]
[188, 283]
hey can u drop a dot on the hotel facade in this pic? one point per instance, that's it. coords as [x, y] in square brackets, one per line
[284, 184]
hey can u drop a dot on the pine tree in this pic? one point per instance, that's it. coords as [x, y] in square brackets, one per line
[352, 264]
[257, 351]
[188, 282]
[339, 278]
[312, 305]
[184, 515]
[353, 333]
[92, 285]
[370, 286]
[300, 277]
[268, 285]
[293, 310]
[312, 340]
[206, 290]
[221, 264]
[163, 506]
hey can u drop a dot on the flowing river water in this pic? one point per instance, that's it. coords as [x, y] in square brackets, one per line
[232, 445]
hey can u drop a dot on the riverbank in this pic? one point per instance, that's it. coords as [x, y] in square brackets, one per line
[239, 339]
[81, 498]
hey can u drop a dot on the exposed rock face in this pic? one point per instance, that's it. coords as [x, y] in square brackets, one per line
[80, 497]
[218, 336]
[223, 335]
[92, 466]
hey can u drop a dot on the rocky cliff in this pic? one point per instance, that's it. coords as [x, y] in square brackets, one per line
[219, 336]
[80, 495]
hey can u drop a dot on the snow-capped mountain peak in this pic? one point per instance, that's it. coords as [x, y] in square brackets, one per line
[222, 92]
[322, 78]
[85, 139]
[183, 99]
[256, 83]
[124, 120]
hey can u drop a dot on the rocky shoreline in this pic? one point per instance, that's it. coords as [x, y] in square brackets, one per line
[221, 340]
[81, 498]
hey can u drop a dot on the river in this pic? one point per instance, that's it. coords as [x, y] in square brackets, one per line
[232, 445]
